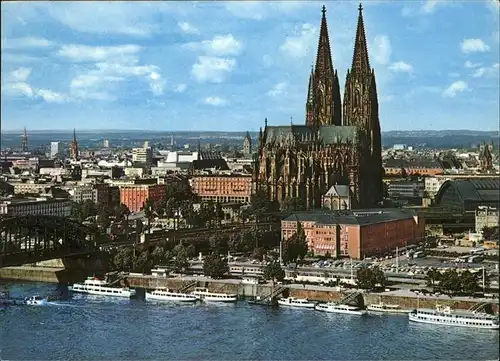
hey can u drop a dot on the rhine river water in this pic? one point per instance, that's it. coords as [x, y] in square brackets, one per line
[95, 328]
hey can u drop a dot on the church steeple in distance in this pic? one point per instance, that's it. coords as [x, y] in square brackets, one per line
[323, 105]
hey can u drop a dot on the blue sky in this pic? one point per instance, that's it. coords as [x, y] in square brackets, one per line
[226, 66]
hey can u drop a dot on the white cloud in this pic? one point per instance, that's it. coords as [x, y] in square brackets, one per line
[474, 46]
[381, 49]
[187, 28]
[16, 84]
[84, 53]
[212, 69]
[102, 18]
[401, 67]
[111, 64]
[429, 6]
[181, 88]
[215, 101]
[17, 89]
[51, 97]
[19, 75]
[27, 42]
[278, 89]
[299, 45]
[456, 87]
[470, 65]
[486, 71]
[220, 45]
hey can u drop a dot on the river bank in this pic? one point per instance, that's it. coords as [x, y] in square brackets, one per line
[402, 297]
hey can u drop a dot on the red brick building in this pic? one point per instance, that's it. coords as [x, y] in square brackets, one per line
[134, 196]
[223, 188]
[356, 234]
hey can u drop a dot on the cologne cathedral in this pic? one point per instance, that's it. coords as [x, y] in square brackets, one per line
[340, 143]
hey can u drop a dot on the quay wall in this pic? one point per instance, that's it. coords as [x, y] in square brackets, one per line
[42, 274]
[322, 295]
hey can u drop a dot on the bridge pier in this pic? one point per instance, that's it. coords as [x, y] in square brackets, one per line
[60, 270]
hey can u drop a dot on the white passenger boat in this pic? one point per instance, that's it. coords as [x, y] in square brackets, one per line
[205, 295]
[459, 318]
[339, 308]
[95, 286]
[385, 308]
[36, 301]
[296, 302]
[170, 295]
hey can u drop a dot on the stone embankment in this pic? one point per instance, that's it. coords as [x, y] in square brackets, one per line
[405, 299]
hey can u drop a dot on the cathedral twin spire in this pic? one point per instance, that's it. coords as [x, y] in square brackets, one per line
[323, 105]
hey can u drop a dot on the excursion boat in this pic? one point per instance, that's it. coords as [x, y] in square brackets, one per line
[36, 301]
[170, 295]
[339, 308]
[296, 302]
[95, 286]
[385, 308]
[459, 318]
[205, 295]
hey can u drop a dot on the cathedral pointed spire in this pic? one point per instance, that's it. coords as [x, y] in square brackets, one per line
[360, 61]
[324, 64]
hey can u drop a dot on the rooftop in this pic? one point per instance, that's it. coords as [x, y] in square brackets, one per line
[355, 217]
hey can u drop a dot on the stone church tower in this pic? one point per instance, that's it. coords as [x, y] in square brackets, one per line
[340, 143]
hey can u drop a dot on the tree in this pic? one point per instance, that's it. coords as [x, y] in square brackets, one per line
[450, 281]
[368, 279]
[215, 266]
[219, 213]
[259, 253]
[296, 246]
[379, 276]
[104, 220]
[181, 262]
[274, 272]
[293, 204]
[217, 243]
[468, 282]
[143, 262]
[365, 278]
[148, 212]
[490, 233]
[433, 277]
[123, 259]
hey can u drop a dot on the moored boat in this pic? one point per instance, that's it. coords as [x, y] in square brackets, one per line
[296, 302]
[340, 308]
[95, 286]
[386, 308]
[170, 295]
[36, 301]
[458, 318]
[205, 295]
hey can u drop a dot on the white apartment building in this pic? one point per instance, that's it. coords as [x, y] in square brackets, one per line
[142, 155]
[84, 193]
[433, 184]
[54, 149]
[36, 206]
[486, 217]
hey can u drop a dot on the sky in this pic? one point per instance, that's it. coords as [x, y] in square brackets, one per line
[170, 66]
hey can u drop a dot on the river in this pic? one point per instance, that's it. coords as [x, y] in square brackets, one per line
[96, 328]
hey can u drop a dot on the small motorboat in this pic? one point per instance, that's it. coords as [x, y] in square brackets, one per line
[36, 301]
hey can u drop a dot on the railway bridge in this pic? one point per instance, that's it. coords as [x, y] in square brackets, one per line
[35, 238]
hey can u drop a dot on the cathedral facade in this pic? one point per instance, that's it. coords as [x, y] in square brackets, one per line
[340, 143]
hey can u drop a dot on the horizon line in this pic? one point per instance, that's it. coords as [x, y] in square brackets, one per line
[15, 131]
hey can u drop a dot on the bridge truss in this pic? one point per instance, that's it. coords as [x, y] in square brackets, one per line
[30, 239]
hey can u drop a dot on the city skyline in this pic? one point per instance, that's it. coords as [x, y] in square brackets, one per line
[165, 66]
